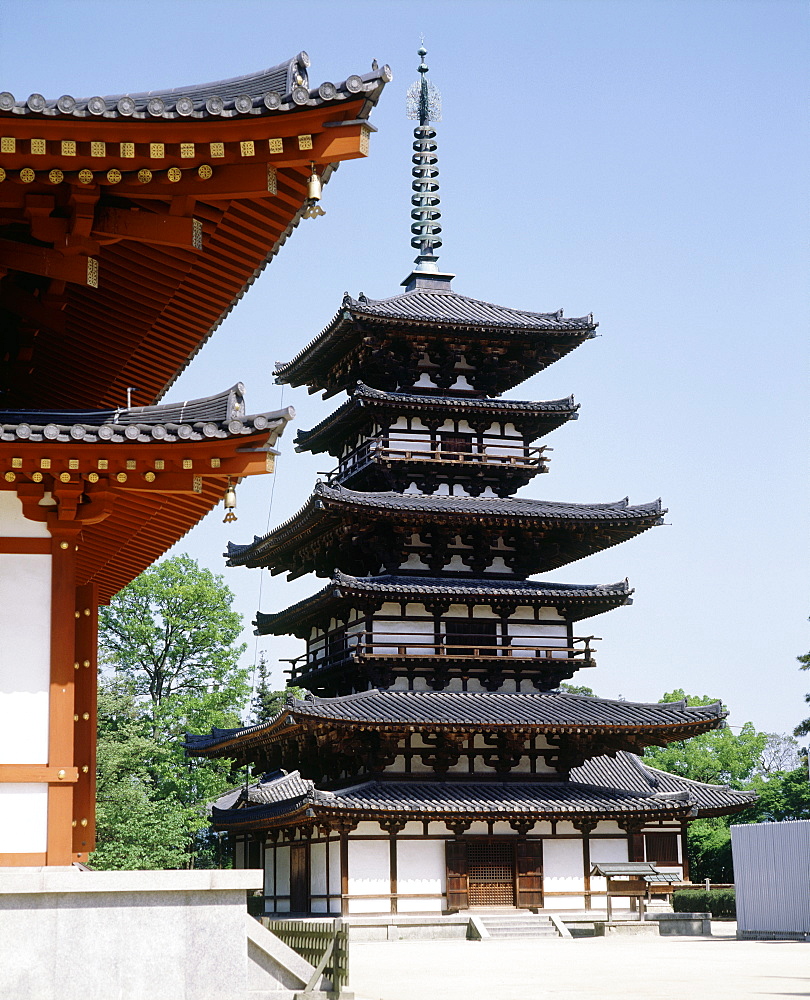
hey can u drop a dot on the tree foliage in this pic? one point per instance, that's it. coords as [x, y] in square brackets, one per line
[767, 763]
[169, 666]
[803, 728]
[266, 703]
[719, 757]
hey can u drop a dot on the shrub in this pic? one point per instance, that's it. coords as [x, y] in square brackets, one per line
[718, 902]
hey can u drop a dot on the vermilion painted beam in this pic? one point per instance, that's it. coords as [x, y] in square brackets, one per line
[78, 270]
[148, 227]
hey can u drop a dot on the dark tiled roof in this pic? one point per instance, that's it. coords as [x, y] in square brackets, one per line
[629, 772]
[281, 88]
[588, 599]
[215, 417]
[544, 711]
[500, 507]
[464, 708]
[440, 308]
[511, 511]
[604, 786]
[541, 416]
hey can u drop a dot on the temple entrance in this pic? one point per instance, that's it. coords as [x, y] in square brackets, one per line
[299, 881]
[491, 873]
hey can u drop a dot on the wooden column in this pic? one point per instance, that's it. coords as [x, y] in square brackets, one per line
[84, 739]
[61, 718]
[344, 871]
[684, 852]
[392, 828]
[586, 827]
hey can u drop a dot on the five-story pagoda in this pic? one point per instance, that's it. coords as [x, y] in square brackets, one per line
[435, 764]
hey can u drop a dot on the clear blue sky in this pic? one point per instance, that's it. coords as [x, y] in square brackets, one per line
[641, 160]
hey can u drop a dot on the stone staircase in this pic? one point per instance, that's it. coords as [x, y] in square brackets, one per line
[519, 924]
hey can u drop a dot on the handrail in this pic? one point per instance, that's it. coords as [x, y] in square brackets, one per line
[399, 645]
[521, 456]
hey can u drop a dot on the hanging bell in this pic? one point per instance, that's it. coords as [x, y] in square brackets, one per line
[230, 504]
[314, 186]
[314, 192]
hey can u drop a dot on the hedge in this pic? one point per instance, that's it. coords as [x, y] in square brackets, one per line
[719, 902]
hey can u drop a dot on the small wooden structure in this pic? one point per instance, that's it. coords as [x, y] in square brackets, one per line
[636, 879]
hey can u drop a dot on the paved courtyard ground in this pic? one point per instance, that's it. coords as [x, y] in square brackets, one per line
[656, 968]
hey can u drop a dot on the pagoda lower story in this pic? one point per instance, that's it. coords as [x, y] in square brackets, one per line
[428, 811]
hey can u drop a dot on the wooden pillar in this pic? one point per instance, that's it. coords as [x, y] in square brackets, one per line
[344, 871]
[586, 829]
[685, 852]
[61, 715]
[392, 828]
[84, 738]
[392, 861]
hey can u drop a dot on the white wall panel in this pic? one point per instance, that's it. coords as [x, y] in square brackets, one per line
[283, 878]
[420, 866]
[25, 661]
[14, 524]
[23, 819]
[563, 872]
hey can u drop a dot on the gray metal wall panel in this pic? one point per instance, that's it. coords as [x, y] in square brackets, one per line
[772, 876]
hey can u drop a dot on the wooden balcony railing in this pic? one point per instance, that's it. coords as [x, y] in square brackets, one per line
[403, 647]
[404, 449]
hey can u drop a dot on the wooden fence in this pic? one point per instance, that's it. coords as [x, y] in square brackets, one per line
[324, 943]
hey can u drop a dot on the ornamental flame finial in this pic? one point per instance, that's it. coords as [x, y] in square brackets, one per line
[424, 103]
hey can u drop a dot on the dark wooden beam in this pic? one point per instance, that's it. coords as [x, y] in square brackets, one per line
[30, 308]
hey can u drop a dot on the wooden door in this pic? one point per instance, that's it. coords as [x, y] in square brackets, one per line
[529, 873]
[299, 879]
[457, 884]
[491, 872]
[662, 848]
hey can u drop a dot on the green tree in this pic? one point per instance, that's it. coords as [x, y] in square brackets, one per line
[576, 689]
[169, 665]
[266, 702]
[719, 757]
[803, 728]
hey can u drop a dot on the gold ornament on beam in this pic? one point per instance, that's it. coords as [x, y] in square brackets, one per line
[230, 503]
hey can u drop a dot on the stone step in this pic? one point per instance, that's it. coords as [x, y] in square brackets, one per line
[519, 926]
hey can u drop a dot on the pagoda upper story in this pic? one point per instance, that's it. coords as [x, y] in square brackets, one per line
[432, 339]
[428, 550]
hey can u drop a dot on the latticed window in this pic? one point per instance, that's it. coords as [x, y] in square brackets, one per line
[491, 873]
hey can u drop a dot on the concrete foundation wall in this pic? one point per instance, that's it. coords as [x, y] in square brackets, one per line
[67, 934]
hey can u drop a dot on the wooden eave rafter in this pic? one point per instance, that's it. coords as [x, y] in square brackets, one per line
[127, 502]
[112, 279]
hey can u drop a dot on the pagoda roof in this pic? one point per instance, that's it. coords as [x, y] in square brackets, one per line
[579, 600]
[457, 711]
[284, 87]
[538, 418]
[154, 213]
[424, 309]
[328, 505]
[620, 787]
[147, 473]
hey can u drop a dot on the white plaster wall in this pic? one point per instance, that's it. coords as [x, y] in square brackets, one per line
[394, 632]
[23, 818]
[14, 524]
[563, 872]
[420, 868]
[25, 661]
[239, 854]
[317, 876]
[269, 866]
[539, 634]
[369, 873]
[608, 850]
[283, 878]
